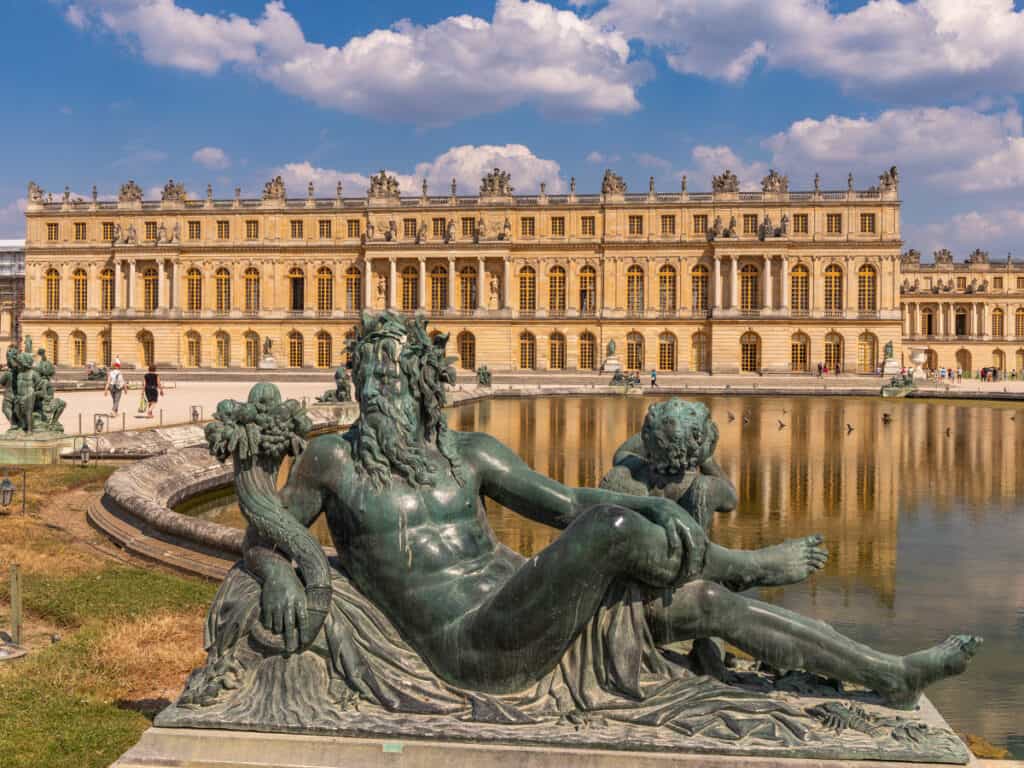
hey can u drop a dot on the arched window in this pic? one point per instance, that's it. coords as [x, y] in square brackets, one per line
[588, 352]
[833, 289]
[1020, 362]
[223, 344]
[105, 351]
[194, 290]
[699, 286]
[750, 352]
[666, 352]
[527, 290]
[799, 353]
[50, 345]
[193, 350]
[252, 350]
[999, 360]
[353, 289]
[667, 289]
[833, 351]
[963, 360]
[750, 288]
[556, 352]
[588, 291]
[80, 284]
[410, 289]
[78, 349]
[147, 351]
[635, 290]
[324, 291]
[52, 290]
[438, 289]
[699, 358]
[297, 285]
[296, 350]
[931, 359]
[324, 350]
[556, 290]
[961, 321]
[252, 290]
[107, 291]
[634, 351]
[222, 284]
[467, 289]
[928, 321]
[799, 289]
[998, 324]
[867, 353]
[467, 351]
[1018, 323]
[150, 289]
[867, 289]
[527, 351]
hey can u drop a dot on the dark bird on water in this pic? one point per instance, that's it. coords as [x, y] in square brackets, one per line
[731, 415]
[948, 431]
[746, 419]
[849, 428]
[781, 425]
[887, 418]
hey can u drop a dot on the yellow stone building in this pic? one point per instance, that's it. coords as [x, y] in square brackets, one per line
[722, 281]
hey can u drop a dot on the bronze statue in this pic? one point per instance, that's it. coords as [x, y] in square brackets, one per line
[29, 402]
[342, 392]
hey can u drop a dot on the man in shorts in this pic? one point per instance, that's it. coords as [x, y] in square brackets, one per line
[115, 385]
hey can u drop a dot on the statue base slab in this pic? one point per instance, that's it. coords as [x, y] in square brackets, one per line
[891, 367]
[268, 363]
[212, 748]
[611, 365]
[33, 447]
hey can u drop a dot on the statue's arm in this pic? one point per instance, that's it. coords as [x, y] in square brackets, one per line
[634, 446]
[724, 497]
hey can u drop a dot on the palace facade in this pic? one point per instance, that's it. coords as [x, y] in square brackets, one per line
[722, 281]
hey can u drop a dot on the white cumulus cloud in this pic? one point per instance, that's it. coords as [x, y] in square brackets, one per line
[211, 157]
[528, 53]
[12, 219]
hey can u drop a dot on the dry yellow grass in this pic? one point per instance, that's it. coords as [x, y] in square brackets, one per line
[42, 550]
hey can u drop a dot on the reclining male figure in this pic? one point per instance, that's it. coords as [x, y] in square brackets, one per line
[403, 496]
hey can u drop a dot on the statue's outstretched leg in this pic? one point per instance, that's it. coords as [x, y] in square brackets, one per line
[788, 640]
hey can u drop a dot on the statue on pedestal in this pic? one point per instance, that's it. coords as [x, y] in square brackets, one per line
[29, 402]
[342, 392]
[483, 376]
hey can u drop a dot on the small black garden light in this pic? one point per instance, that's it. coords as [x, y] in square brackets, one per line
[7, 489]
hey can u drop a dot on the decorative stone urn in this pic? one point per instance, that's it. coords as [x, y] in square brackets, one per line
[918, 356]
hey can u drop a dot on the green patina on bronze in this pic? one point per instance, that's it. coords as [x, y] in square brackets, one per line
[29, 402]
[425, 613]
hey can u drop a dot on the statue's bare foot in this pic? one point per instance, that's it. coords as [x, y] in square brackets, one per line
[925, 667]
[790, 562]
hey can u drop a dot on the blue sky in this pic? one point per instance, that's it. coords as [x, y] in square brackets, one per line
[233, 92]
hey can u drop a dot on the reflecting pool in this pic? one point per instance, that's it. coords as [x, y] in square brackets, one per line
[921, 515]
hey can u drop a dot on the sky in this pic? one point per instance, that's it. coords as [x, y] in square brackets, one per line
[233, 92]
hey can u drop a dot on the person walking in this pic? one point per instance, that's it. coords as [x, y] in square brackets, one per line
[654, 378]
[115, 386]
[153, 389]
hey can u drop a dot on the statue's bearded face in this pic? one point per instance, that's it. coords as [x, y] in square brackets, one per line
[383, 388]
[678, 436]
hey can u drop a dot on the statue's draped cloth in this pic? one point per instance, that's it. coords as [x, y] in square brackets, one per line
[612, 669]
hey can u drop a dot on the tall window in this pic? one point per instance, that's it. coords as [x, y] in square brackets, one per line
[799, 353]
[867, 289]
[636, 225]
[834, 223]
[252, 229]
[666, 352]
[409, 228]
[354, 227]
[151, 231]
[833, 350]
[699, 359]
[699, 285]
[147, 348]
[750, 288]
[1018, 322]
[667, 288]
[928, 321]
[467, 289]
[588, 352]
[410, 289]
[252, 290]
[78, 349]
[634, 351]
[527, 290]
[353, 289]
[800, 223]
[468, 226]
[527, 226]
[867, 222]
[252, 350]
[867, 353]
[150, 289]
[50, 345]
[997, 322]
[295, 350]
[324, 352]
[222, 282]
[52, 290]
[799, 289]
[53, 232]
[668, 224]
[80, 284]
[107, 295]
[297, 284]
[750, 352]
[195, 230]
[556, 290]
[223, 229]
[635, 290]
[527, 351]
[194, 290]
[588, 226]
[588, 291]
[438, 226]
[324, 225]
[193, 350]
[438, 289]
[700, 224]
[467, 351]
[749, 223]
[558, 226]
[80, 231]
[324, 290]
[296, 227]
[105, 351]
[223, 343]
[833, 289]
[556, 352]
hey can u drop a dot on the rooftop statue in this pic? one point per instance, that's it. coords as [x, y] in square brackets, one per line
[274, 189]
[612, 183]
[889, 180]
[130, 192]
[424, 613]
[36, 194]
[173, 192]
[496, 183]
[727, 182]
[775, 182]
[383, 186]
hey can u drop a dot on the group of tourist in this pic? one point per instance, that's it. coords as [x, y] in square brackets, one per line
[116, 385]
[824, 369]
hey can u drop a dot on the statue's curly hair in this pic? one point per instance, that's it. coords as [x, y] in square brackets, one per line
[678, 435]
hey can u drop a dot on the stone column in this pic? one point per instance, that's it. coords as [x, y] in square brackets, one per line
[717, 299]
[93, 303]
[734, 286]
[367, 282]
[984, 329]
[392, 283]
[506, 285]
[174, 301]
[129, 294]
[786, 280]
[451, 284]
[769, 298]
[161, 275]
[422, 298]
[481, 274]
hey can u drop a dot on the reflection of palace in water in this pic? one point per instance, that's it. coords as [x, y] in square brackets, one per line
[812, 476]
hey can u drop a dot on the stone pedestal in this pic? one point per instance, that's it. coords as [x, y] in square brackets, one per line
[611, 365]
[268, 362]
[891, 367]
[918, 357]
[34, 448]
